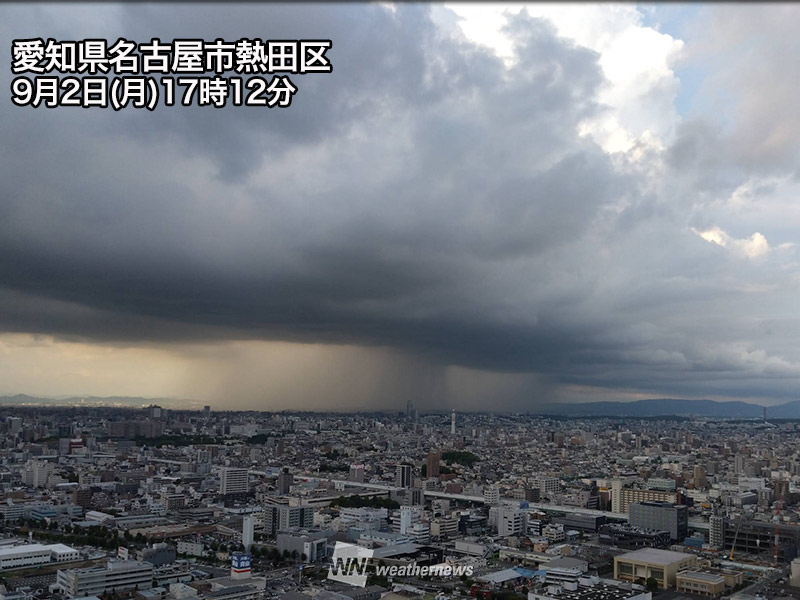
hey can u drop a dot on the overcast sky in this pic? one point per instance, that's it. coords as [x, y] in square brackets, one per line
[481, 207]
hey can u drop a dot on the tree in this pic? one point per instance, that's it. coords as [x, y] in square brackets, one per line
[651, 584]
[303, 557]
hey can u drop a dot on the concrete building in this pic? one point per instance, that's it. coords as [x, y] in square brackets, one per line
[403, 476]
[581, 522]
[233, 481]
[548, 486]
[716, 531]
[312, 546]
[794, 576]
[661, 565]
[248, 526]
[158, 554]
[285, 482]
[590, 588]
[117, 575]
[491, 495]
[565, 569]
[626, 496]
[190, 548]
[279, 518]
[356, 473]
[660, 516]
[629, 537]
[29, 555]
[510, 521]
[432, 464]
[702, 584]
[445, 527]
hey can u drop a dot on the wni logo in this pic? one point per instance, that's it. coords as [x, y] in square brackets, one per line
[350, 564]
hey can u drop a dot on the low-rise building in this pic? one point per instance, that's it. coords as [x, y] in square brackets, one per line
[116, 575]
[29, 555]
[703, 584]
[661, 565]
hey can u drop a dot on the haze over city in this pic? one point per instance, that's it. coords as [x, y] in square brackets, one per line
[482, 207]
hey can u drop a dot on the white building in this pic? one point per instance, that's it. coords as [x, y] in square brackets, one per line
[248, 525]
[29, 555]
[116, 575]
[510, 521]
[409, 516]
[548, 486]
[190, 548]
[233, 481]
[36, 473]
[491, 495]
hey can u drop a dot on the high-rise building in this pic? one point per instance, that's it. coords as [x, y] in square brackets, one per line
[453, 422]
[432, 463]
[278, 518]
[616, 495]
[740, 463]
[36, 473]
[14, 424]
[409, 515]
[403, 476]
[548, 486]
[491, 495]
[233, 481]
[623, 497]
[285, 481]
[716, 531]
[248, 525]
[82, 497]
[699, 478]
[661, 516]
[357, 473]
[510, 521]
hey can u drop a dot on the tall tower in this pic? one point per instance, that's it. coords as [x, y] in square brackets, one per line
[616, 496]
[453, 422]
[403, 476]
[247, 532]
[432, 464]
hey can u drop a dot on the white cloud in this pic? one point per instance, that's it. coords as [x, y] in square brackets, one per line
[637, 62]
[755, 246]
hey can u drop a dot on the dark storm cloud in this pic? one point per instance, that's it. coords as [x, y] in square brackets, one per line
[421, 197]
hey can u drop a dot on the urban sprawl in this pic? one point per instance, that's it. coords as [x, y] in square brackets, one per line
[156, 504]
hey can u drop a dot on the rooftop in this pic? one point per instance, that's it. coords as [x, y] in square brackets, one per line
[710, 577]
[654, 556]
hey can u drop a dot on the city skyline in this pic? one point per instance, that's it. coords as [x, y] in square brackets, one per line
[475, 209]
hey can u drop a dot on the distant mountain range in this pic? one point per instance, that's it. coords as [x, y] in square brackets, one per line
[121, 401]
[657, 407]
[662, 407]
